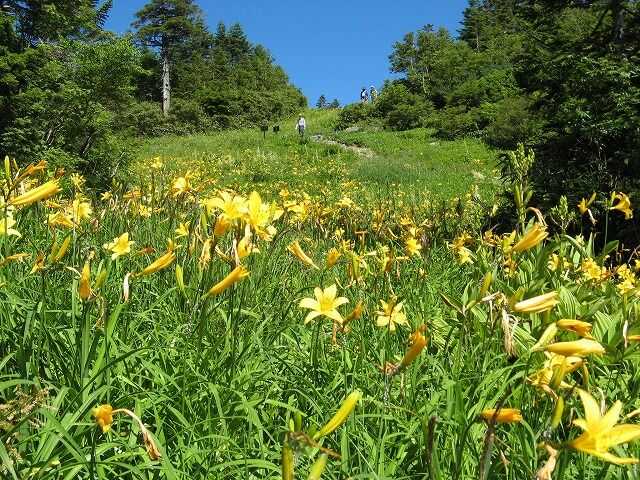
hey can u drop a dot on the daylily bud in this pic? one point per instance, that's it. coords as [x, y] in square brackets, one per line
[42, 192]
[541, 303]
[578, 348]
[84, 288]
[57, 256]
[504, 415]
[287, 461]
[533, 237]
[486, 283]
[546, 337]
[341, 415]
[581, 328]
[102, 276]
[180, 278]
[557, 413]
[318, 467]
[419, 342]
[234, 277]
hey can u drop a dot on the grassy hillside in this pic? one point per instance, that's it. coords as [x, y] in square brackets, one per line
[408, 162]
[248, 308]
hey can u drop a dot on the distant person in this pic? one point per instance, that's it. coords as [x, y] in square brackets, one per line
[373, 93]
[364, 96]
[301, 126]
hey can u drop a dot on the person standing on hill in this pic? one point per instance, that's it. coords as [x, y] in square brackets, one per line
[364, 96]
[373, 94]
[301, 126]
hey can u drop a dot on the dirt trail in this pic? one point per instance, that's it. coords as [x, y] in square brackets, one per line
[362, 151]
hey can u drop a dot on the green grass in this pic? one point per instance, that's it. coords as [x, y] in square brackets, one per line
[408, 161]
[222, 381]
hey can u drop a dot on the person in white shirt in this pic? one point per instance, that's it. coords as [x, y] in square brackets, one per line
[301, 126]
[373, 93]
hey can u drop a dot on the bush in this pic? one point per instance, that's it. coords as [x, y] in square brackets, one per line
[512, 123]
[489, 88]
[189, 116]
[452, 122]
[353, 114]
[144, 119]
[405, 117]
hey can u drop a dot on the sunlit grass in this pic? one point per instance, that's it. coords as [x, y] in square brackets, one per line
[230, 382]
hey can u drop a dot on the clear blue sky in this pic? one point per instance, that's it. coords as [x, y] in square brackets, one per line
[331, 47]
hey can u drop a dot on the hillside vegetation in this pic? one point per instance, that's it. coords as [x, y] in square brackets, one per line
[184, 295]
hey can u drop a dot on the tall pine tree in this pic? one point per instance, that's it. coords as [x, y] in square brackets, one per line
[165, 24]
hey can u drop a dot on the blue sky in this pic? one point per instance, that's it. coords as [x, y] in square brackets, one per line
[331, 47]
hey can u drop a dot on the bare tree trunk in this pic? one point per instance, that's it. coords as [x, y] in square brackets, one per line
[166, 82]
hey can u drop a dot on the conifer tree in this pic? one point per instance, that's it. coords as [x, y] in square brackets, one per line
[37, 21]
[164, 24]
[322, 102]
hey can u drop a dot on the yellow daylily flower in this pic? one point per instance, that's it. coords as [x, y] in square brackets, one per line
[412, 246]
[258, 215]
[578, 348]
[80, 210]
[232, 206]
[236, 275]
[542, 378]
[60, 219]
[347, 407]
[332, 257]
[601, 432]
[103, 416]
[584, 204]
[418, 344]
[6, 226]
[42, 192]
[391, 315]
[160, 264]
[246, 246]
[221, 227]
[84, 287]
[325, 304]
[181, 185]
[18, 257]
[119, 246]
[541, 303]
[623, 205]
[504, 415]
[533, 237]
[297, 251]
[182, 230]
[577, 326]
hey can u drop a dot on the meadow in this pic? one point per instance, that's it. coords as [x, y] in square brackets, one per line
[266, 308]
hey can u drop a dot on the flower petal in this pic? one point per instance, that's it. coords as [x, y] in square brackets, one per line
[311, 316]
[309, 303]
[591, 408]
[611, 417]
[622, 434]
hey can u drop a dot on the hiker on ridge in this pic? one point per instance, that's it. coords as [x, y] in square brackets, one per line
[301, 126]
[364, 95]
[373, 94]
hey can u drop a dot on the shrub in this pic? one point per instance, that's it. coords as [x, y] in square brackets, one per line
[353, 114]
[512, 123]
[405, 117]
[452, 122]
[144, 119]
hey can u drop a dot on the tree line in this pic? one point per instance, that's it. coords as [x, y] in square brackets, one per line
[562, 77]
[73, 93]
